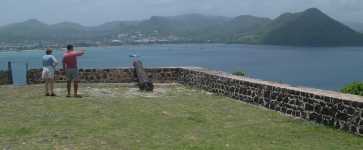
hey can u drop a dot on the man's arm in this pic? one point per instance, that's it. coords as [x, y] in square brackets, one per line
[81, 52]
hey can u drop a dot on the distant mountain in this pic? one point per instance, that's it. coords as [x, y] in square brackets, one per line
[36, 30]
[181, 24]
[66, 30]
[309, 28]
[68, 25]
[247, 23]
[115, 26]
[202, 28]
[244, 28]
[357, 26]
[31, 29]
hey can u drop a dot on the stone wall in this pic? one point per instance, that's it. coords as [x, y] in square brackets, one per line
[4, 77]
[341, 111]
[121, 75]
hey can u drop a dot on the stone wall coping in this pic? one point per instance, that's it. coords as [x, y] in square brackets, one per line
[326, 93]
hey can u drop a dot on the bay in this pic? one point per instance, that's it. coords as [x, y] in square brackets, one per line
[319, 67]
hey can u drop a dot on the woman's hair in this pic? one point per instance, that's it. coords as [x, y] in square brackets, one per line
[49, 51]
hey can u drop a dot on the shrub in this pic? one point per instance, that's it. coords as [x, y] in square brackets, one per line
[239, 73]
[355, 88]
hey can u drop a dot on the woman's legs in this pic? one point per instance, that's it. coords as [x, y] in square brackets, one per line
[48, 76]
[46, 87]
[51, 86]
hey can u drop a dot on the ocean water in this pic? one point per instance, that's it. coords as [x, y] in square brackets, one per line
[319, 67]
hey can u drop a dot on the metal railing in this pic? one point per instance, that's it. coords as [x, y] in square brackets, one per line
[17, 72]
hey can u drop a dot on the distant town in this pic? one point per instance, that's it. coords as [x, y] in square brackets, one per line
[118, 40]
[189, 28]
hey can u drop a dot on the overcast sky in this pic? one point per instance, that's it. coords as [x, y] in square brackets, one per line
[94, 12]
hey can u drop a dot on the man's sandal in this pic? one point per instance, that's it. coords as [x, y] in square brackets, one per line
[77, 96]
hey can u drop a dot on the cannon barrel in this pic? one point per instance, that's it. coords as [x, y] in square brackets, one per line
[144, 83]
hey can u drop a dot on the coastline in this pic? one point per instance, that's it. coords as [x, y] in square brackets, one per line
[183, 43]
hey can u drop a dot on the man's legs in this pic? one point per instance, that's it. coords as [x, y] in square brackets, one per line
[72, 75]
[68, 75]
[76, 82]
[69, 85]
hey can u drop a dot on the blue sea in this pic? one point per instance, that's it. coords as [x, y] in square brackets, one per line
[319, 67]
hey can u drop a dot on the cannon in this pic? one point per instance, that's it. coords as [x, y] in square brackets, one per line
[144, 83]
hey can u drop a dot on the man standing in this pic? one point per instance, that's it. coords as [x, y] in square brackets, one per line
[70, 67]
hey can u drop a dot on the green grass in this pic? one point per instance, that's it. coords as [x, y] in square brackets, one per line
[113, 116]
[239, 73]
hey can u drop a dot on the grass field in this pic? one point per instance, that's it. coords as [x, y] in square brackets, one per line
[115, 116]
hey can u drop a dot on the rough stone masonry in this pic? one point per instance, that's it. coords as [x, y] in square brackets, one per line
[341, 111]
[4, 75]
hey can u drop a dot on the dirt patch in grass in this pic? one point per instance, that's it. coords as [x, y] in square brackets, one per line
[126, 90]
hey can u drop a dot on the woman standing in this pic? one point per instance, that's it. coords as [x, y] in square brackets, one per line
[49, 64]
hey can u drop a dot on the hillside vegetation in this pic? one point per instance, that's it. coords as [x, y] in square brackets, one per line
[355, 88]
[308, 28]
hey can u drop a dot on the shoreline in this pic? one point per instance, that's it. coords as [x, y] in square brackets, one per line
[196, 43]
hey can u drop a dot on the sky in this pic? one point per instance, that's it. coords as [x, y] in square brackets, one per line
[95, 12]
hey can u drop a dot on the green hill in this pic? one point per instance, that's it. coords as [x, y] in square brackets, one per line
[309, 28]
[31, 29]
[190, 27]
[202, 28]
[357, 26]
[36, 30]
